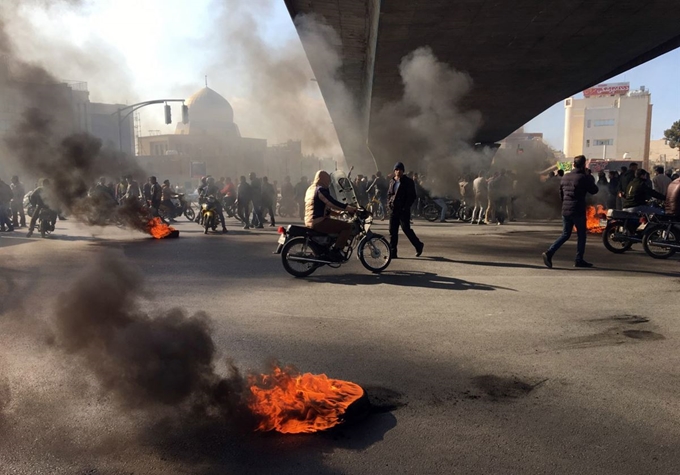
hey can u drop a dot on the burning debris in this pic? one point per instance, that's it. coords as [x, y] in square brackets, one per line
[170, 359]
[293, 403]
[158, 229]
[594, 215]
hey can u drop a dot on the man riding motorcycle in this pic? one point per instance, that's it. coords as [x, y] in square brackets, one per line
[319, 205]
[638, 193]
[211, 189]
[40, 199]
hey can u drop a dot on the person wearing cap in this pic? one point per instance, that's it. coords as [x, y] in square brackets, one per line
[573, 190]
[401, 194]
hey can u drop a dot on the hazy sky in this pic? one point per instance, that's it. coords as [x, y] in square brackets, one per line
[163, 48]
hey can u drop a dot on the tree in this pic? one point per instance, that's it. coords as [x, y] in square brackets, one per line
[672, 135]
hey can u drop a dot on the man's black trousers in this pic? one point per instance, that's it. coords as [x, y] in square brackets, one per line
[403, 219]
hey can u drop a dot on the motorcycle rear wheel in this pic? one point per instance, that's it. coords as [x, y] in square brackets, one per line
[296, 246]
[374, 253]
[617, 247]
[431, 212]
[659, 233]
[189, 213]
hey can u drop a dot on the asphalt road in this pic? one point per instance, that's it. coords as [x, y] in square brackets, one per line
[478, 359]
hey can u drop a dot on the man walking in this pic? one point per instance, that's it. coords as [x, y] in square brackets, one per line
[481, 191]
[401, 194]
[18, 193]
[573, 189]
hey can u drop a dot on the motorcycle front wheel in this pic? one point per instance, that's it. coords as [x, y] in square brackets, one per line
[297, 247]
[189, 213]
[654, 235]
[613, 243]
[374, 253]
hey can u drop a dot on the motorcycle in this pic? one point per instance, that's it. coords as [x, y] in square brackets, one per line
[230, 206]
[304, 250]
[182, 207]
[432, 210]
[209, 214]
[661, 238]
[286, 208]
[623, 229]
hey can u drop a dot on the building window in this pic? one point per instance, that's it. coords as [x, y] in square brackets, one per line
[588, 143]
[588, 124]
[568, 102]
[604, 122]
[604, 142]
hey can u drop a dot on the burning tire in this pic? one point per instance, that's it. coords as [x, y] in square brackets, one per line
[653, 240]
[374, 253]
[298, 247]
[614, 238]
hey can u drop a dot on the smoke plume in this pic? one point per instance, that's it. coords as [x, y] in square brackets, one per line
[165, 358]
[281, 101]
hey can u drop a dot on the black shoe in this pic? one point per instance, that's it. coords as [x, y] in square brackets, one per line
[419, 250]
[583, 264]
[246, 227]
[334, 255]
[547, 260]
[224, 231]
[29, 233]
[272, 225]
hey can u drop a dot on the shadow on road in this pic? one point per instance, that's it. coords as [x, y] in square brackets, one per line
[428, 280]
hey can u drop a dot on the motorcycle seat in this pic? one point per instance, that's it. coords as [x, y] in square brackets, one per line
[294, 230]
[618, 214]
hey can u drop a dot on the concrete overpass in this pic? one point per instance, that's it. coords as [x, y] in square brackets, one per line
[523, 55]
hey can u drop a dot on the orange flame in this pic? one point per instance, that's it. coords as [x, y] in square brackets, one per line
[293, 403]
[593, 216]
[158, 229]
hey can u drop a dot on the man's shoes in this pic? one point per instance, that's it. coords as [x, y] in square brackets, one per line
[547, 260]
[482, 222]
[29, 233]
[271, 225]
[224, 231]
[335, 255]
[583, 264]
[259, 226]
[246, 227]
[473, 222]
[419, 250]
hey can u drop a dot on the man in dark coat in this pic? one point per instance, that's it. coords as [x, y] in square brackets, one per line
[626, 178]
[400, 196]
[573, 190]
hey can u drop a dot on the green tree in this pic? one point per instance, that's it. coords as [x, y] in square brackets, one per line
[672, 135]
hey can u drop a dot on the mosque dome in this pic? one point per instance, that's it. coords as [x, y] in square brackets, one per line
[209, 114]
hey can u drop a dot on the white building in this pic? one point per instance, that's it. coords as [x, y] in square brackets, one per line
[608, 122]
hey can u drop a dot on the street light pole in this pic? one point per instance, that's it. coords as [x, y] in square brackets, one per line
[133, 108]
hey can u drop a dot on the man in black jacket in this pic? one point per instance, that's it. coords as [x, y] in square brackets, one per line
[401, 194]
[573, 189]
[638, 193]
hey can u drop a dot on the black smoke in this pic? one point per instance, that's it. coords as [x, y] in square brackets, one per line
[145, 359]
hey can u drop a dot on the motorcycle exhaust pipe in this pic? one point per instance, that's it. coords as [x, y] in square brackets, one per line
[307, 259]
[664, 244]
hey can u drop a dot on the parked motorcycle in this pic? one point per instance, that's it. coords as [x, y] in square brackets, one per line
[287, 208]
[304, 250]
[661, 238]
[432, 210]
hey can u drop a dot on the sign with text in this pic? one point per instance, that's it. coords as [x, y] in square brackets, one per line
[611, 89]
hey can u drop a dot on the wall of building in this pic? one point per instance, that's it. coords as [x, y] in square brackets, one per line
[608, 126]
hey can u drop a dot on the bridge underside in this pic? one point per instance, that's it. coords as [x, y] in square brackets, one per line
[523, 55]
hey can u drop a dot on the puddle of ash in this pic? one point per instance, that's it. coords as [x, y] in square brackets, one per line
[622, 329]
[499, 388]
